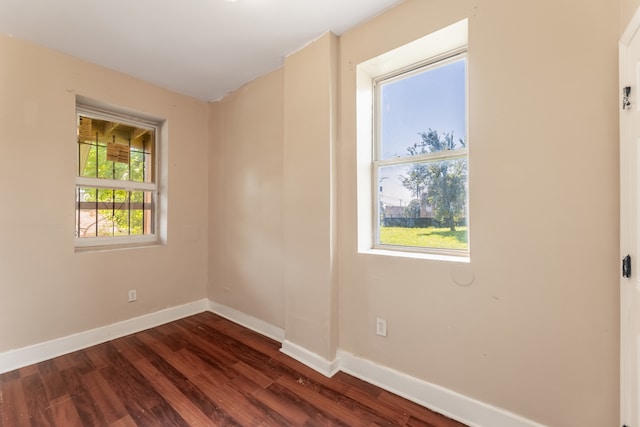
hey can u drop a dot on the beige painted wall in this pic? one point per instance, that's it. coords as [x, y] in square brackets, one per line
[537, 331]
[245, 208]
[47, 290]
[310, 270]
[627, 10]
[273, 192]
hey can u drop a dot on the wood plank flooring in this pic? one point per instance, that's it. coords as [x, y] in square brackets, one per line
[199, 371]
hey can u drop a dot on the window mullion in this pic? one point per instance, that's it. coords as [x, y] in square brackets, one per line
[114, 183]
[429, 157]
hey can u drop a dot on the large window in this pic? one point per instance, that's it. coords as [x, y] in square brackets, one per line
[420, 157]
[412, 149]
[116, 186]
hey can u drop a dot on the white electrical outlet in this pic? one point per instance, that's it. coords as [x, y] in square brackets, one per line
[133, 295]
[381, 327]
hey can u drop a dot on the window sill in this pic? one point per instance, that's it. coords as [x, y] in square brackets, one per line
[83, 246]
[463, 258]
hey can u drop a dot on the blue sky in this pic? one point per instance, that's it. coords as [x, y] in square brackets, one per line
[433, 99]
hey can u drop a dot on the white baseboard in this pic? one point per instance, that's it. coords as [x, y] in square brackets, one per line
[447, 402]
[292, 350]
[250, 322]
[454, 405]
[442, 400]
[14, 359]
[312, 360]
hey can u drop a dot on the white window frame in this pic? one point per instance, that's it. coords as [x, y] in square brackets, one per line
[439, 45]
[378, 163]
[105, 242]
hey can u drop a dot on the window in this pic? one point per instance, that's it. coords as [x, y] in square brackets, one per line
[420, 158]
[116, 186]
[412, 148]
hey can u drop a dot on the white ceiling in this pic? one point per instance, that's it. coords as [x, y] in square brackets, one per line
[202, 48]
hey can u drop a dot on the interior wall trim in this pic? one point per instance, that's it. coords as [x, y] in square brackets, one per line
[471, 412]
[250, 322]
[447, 402]
[328, 368]
[18, 358]
[454, 405]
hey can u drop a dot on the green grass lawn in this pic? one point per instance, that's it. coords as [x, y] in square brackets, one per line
[430, 237]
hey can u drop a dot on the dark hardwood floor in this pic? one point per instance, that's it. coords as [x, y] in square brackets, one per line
[199, 371]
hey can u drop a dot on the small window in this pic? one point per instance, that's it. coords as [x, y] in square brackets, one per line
[420, 157]
[116, 187]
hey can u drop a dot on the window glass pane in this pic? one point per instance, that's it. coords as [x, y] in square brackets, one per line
[393, 195]
[424, 204]
[120, 213]
[113, 212]
[140, 217]
[120, 171]
[87, 160]
[93, 213]
[105, 212]
[428, 101]
[85, 213]
[138, 166]
[112, 150]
